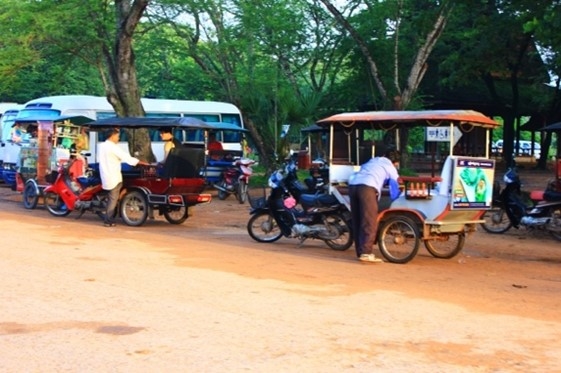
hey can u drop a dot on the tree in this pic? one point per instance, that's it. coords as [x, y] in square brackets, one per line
[98, 32]
[275, 71]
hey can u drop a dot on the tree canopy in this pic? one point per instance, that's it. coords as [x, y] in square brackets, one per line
[288, 62]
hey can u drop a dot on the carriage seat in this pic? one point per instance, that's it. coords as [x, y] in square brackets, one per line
[183, 162]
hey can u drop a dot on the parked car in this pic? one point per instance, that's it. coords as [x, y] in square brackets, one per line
[525, 148]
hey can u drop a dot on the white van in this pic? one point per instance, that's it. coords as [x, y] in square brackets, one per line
[525, 148]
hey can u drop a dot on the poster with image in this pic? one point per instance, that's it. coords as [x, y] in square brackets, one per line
[473, 183]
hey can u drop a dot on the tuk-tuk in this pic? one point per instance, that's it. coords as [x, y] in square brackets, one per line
[171, 189]
[437, 209]
[220, 160]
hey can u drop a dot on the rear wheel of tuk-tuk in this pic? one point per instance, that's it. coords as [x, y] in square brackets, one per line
[398, 239]
[446, 246]
[176, 214]
[30, 195]
[134, 208]
[54, 205]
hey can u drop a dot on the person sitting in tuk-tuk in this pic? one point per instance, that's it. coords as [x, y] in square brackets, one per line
[214, 147]
[170, 141]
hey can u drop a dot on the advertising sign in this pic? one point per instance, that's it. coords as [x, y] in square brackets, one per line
[473, 183]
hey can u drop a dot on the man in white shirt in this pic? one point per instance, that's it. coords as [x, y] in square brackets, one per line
[110, 158]
[365, 187]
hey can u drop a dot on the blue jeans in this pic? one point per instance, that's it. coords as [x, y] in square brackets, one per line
[112, 201]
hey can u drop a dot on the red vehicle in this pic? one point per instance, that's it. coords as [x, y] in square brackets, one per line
[169, 190]
[68, 193]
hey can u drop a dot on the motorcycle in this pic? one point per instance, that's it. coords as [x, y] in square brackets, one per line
[68, 193]
[319, 216]
[541, 212]
[235, 180]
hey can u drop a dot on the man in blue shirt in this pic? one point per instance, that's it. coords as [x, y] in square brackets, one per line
[365, 186]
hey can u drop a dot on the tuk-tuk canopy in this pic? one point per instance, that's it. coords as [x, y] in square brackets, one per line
[74, 119]
[224, 126]
[425, 118]
[144, 122]
[313, 128]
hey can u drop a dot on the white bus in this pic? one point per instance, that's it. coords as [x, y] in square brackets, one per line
[98, 108]
[8, 152]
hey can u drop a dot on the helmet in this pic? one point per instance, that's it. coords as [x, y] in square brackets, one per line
[511, 177]
[275, 179]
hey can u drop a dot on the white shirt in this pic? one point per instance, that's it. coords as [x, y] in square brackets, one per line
[110, 158]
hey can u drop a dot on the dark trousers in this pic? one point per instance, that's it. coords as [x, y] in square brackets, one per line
[364, 210]
[112, 201]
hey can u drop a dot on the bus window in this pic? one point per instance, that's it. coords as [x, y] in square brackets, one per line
[231, 136]
[232, 118]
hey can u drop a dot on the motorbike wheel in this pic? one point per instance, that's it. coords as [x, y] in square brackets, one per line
[345, 233]
[222, 195]
[30, 196]
[176, 215]
[446, 246]
[55, 205]
[241, 193]
[134, 208]
[399, 239]
[496, 221]
[556, 222]
[262, 227]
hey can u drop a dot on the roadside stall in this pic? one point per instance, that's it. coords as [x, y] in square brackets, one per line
[438, 209]
[44, 145]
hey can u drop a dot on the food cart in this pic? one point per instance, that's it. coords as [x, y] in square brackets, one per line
[436, 209]
[47, 146]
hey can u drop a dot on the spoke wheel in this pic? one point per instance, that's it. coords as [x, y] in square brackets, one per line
[262, 227]
[344, 231]
[446, 246]
[496, 221]
[134, 209]
[54, 205]
[241, 194]
[399, 239]
[30, 196]
[176, 215]
[222, 195]
[556, 224]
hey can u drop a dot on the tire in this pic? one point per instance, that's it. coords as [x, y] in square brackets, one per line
[176, 215]
[241, 193]
[30, 195]
[399, 239]
[222, 195]
[446, 246]
[262, 227]
[54, 205]
[556, 223]
[496, 221]
[345, 239]
[134, 208]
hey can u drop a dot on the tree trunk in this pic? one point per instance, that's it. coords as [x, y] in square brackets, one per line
[122, 88]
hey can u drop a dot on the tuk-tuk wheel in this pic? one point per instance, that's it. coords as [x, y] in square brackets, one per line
[398, 239]
[446, 246]
[134, 208]
[30, 195]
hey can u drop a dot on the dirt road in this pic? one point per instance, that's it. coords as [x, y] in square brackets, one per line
[202, 296]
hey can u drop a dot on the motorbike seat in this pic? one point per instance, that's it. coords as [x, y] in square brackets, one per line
[550, 195]
[318, 200]
[88, 181]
